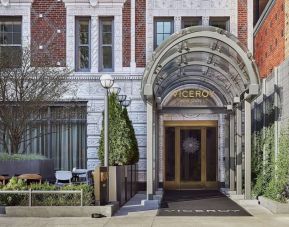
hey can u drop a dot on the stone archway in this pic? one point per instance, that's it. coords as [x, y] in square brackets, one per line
[213, 58]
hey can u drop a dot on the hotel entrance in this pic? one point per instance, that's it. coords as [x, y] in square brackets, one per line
[190, 160]
[198, 90]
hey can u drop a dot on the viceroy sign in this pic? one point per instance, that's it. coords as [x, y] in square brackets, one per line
[193, 93]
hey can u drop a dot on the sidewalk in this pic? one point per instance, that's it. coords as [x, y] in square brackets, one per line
[133, 214]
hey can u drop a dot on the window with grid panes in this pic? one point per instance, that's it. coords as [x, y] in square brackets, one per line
[163, 28]
[106, 44]
[11, 40]
[82, 44]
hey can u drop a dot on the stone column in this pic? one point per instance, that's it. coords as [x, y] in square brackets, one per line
[156, 151]
[205, 21]
[247, 149]
[178, 24]
[94, 44]
[232, 152]
[150, 148]
[239, 149]
[227, 150]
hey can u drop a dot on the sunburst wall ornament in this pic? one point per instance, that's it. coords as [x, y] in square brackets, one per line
[5, 2]
[93, 2]
[191, 145]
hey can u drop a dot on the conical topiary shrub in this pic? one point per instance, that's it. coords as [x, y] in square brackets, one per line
[133, 149]
[122, 142]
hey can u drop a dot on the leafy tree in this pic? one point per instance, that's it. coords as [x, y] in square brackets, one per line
[123, 148]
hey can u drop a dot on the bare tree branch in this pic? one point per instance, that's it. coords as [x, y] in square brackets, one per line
[25, 92]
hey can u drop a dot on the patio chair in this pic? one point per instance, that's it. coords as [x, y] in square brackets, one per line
[63, 177]
[80, 175]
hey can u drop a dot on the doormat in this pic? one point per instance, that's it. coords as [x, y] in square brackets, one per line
[199, 203]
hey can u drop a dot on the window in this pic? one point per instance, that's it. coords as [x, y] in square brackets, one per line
[10, 39]
[106, 44]
[191, 21]
[59, 133]
[220, 22]
[163, 28]
[82, 44]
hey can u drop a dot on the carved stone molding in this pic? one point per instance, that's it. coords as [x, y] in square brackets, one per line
[5, 2]
[95, 3]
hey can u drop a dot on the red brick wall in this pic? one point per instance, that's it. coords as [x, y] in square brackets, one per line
[242, 21]
[140, 29]
[126, 34]
[44, 32]
[269, 41]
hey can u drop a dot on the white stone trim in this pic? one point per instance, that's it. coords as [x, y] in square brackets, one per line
[182, 8]
[94, 43]
[177, 23]
[90, 3]
[84, 9]
[23, 10]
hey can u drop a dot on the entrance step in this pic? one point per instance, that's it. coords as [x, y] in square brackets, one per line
[232, 192]
[248, 202]
[237, 197]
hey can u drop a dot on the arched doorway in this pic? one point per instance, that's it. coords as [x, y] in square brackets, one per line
[196, 87]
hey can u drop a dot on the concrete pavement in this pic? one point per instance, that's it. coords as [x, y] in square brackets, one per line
[134, 215]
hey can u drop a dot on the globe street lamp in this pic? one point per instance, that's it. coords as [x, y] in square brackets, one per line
[115, 89]
[121, 98]
[106, 82]
[126, 102]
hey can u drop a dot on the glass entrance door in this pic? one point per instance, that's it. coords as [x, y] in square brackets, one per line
[190, 156]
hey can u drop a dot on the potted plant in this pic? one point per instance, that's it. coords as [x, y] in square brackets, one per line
[123, 154]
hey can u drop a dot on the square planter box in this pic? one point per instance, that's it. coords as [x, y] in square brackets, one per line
[122, 183]
[274, 206]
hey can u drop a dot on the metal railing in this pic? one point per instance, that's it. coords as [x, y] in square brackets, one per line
[41, 198]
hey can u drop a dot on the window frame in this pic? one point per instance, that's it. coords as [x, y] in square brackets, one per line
[191, 19]
[12, 46]
[78, 45]
[225, 19]
[101, 45]
[162, 19]
[12, 19]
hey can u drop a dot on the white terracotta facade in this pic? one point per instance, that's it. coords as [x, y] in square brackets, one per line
[129, 78]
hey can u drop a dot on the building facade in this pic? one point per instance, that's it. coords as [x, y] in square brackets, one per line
[147, 45]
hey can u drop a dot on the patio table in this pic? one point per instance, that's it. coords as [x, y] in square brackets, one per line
[3, 179]
[31, 177]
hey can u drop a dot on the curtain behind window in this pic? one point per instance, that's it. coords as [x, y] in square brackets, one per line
[59, 134]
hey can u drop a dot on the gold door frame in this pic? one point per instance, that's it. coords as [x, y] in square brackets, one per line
[177, 183]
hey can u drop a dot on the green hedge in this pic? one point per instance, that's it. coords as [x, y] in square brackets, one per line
[45, 199]
[9, 157]
[270, 173]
